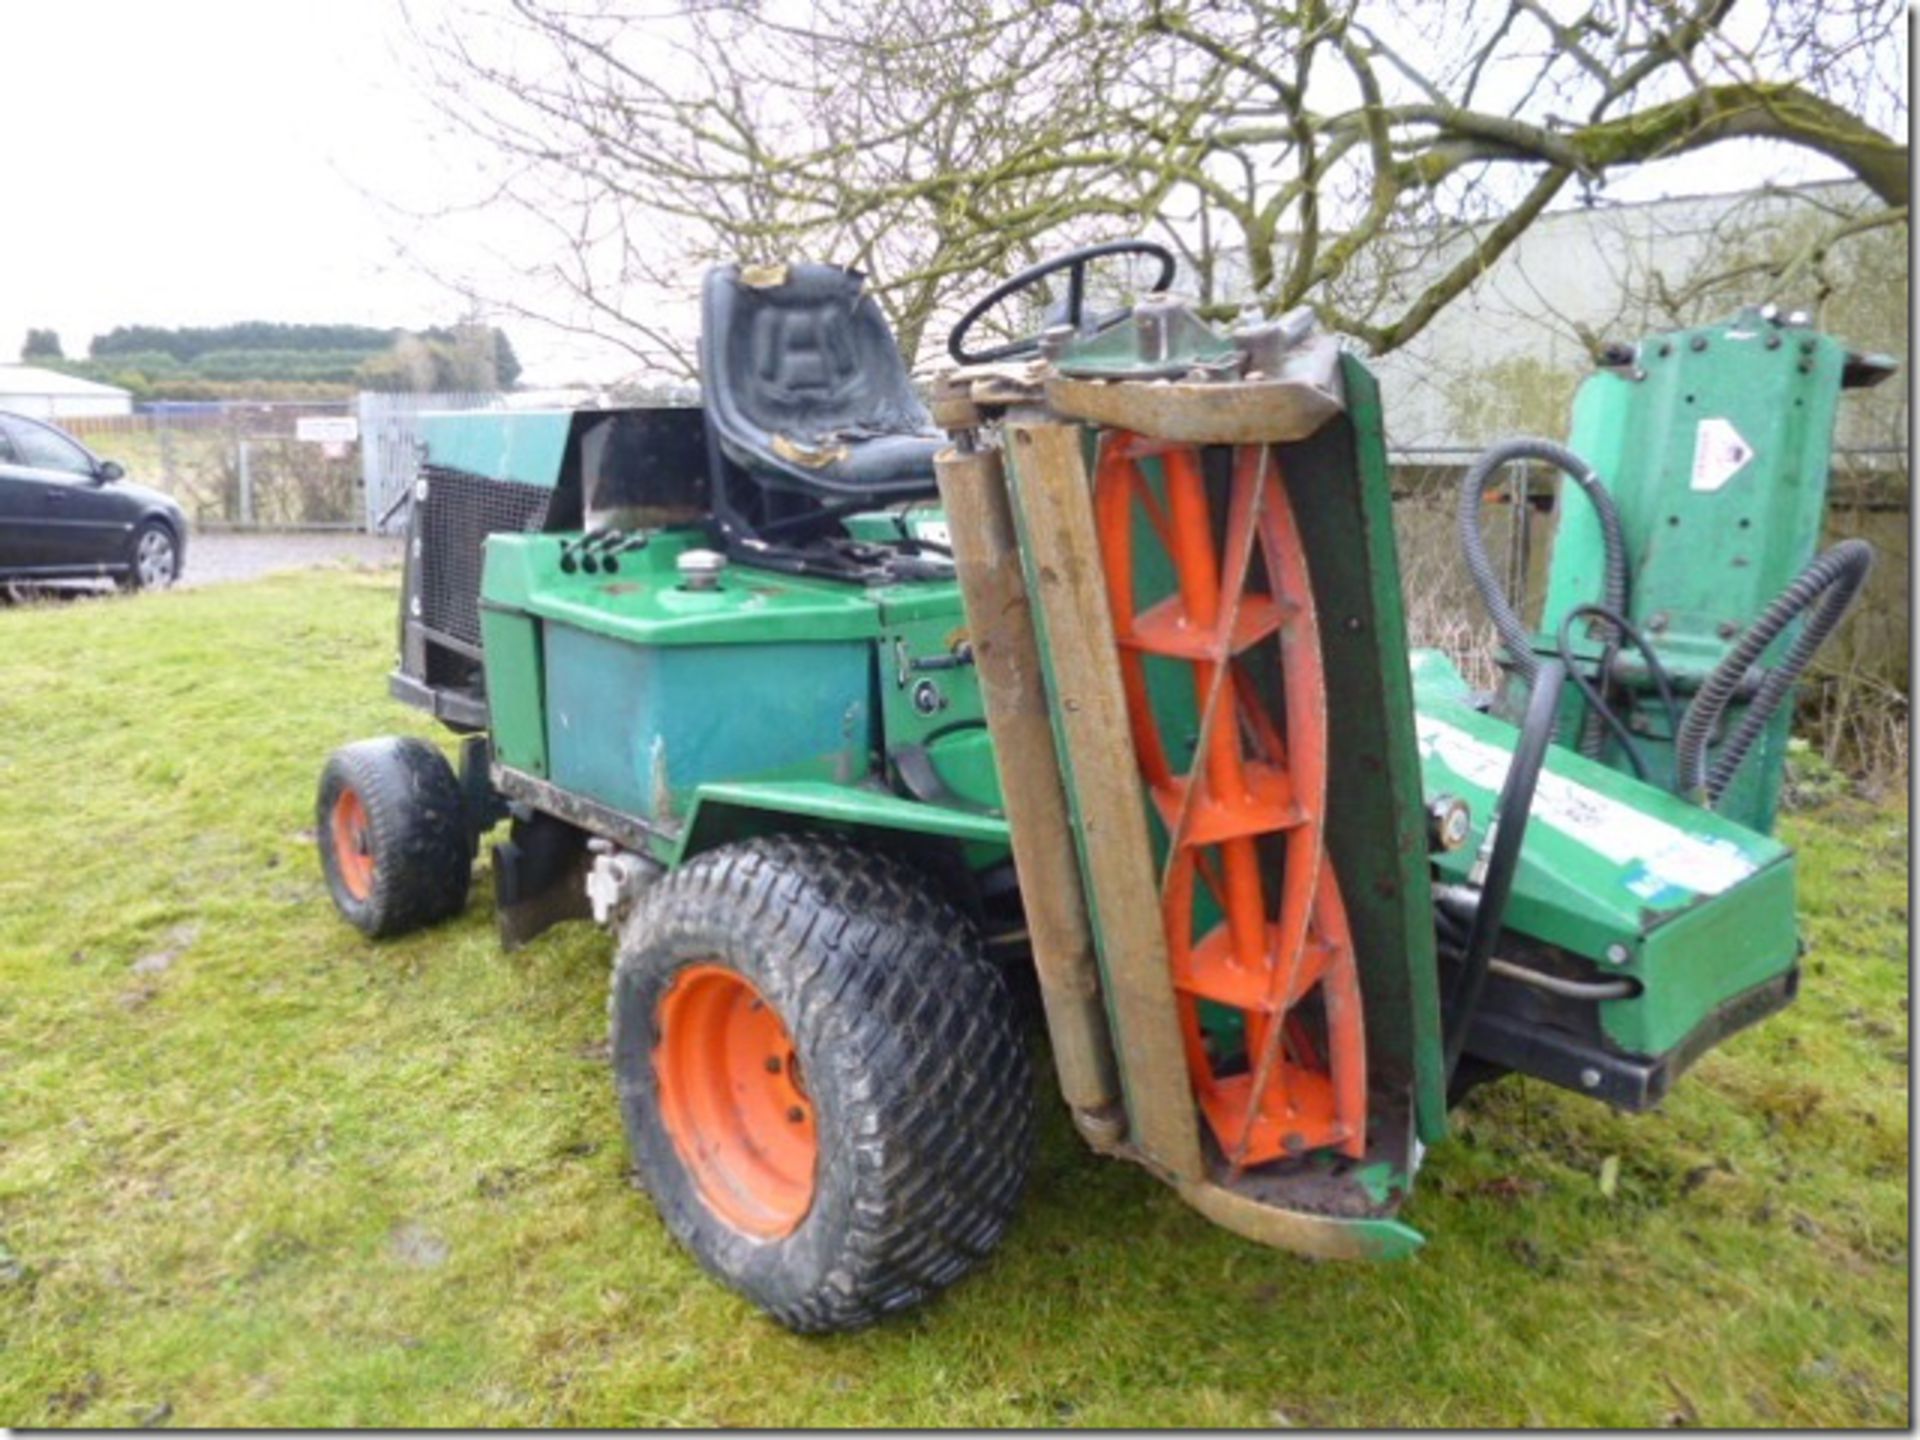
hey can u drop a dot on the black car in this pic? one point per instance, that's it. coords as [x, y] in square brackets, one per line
[66, 514]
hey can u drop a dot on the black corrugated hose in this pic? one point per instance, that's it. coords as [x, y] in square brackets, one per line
[1506, 620]
[1597, 701]
[1833, 580]
[1500, 848]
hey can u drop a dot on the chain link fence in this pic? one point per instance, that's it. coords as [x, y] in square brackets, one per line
[389, 425]
[238, 464]
[274, 465]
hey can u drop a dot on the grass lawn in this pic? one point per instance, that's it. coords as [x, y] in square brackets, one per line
[255, 1171]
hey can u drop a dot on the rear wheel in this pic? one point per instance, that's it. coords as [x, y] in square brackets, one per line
[392, 831]
[823, 1080]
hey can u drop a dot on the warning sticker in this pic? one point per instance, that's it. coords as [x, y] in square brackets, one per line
[1661, 856]
[1718, 453]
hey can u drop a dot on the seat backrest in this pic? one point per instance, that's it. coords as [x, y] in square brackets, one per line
[801, 354]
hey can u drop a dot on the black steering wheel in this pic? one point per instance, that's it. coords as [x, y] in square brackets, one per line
[1075, 263]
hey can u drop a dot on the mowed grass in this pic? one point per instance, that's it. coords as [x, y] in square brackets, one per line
[256, 1171]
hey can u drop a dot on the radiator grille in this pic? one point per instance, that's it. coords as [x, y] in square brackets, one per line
[453, 523]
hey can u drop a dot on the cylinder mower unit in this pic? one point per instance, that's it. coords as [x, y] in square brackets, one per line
[1683, 601]
[844, 725]
[1679, 577]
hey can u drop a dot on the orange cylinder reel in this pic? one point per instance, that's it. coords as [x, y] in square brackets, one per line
[1247, 821]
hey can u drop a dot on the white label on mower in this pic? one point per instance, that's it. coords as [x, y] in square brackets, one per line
[934, 532]
[1718, 453]
[1617, 832]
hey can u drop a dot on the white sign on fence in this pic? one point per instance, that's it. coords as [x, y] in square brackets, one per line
[327, 429]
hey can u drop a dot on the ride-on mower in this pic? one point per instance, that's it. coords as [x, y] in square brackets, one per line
[849, 710]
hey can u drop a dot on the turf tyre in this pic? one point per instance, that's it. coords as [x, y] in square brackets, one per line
[415, 834]
[916, 1064]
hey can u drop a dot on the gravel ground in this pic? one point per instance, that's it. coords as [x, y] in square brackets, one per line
[219, 557]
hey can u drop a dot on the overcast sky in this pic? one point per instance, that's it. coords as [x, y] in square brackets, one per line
[204, 161]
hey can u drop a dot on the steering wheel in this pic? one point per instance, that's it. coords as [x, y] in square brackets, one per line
[1075, 263]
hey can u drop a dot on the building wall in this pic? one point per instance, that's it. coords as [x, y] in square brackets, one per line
[1505, 357]
[60, 407]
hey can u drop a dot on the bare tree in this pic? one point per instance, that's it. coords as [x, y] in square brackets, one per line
[1310, 151]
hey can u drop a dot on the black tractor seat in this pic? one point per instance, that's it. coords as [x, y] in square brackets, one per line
[810, 412]
[805, 386]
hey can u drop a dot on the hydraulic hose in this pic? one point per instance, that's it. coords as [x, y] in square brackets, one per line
[1557, 985]
[1827, 587]
[1506, 620]
[1593, 694]
[1501, 850]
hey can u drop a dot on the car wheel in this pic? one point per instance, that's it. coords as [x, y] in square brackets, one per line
[156, 559]
[824, 1083]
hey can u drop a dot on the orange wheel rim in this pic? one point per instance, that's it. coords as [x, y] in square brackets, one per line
[353, 844]
[734, 1101]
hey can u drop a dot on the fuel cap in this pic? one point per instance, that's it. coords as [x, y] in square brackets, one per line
[700, 569]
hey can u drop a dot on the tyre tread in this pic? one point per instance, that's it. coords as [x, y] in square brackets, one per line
[927, 1041]
[423, 859]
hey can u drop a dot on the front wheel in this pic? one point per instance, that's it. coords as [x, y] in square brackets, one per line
[823, 1079]
[156, 559]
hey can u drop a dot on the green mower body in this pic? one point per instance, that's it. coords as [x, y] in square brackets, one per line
[826, 710]
[643, 677]
[680, 719]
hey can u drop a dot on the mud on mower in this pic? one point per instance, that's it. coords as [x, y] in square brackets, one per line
[854, 714]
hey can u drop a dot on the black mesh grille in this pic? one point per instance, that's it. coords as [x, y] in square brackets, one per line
[453, 523]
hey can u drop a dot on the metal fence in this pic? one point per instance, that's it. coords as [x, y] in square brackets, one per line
[390, 448]
[1862, 678]
[274, 465]
[255, 465]
[235, 463]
